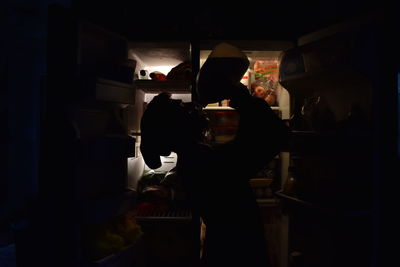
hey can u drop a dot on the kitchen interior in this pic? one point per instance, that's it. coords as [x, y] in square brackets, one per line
[97, 202]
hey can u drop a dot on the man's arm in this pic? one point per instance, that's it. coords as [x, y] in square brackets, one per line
[261, 134]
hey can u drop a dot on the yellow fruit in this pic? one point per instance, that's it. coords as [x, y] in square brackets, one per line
[115, 242]
[101, 250]
[128, 229]
[132, 235]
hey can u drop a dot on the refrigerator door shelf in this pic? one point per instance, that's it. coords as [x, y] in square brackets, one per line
[104, 90]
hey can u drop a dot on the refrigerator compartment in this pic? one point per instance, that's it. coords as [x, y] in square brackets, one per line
[259, 51]
[161, 57]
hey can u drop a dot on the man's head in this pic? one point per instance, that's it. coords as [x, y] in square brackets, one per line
[221, 73]
[168, 125]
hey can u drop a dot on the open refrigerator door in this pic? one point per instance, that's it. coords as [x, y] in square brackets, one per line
[330, 189]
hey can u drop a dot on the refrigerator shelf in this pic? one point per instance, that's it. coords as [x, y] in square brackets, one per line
[171, 215]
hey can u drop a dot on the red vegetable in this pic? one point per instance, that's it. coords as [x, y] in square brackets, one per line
[158, 76]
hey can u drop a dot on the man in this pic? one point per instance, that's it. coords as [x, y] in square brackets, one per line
[216, 179]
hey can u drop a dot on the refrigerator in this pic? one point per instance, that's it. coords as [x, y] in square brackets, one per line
[318, 197]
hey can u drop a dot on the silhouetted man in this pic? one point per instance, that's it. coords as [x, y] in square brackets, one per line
[216, 179]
